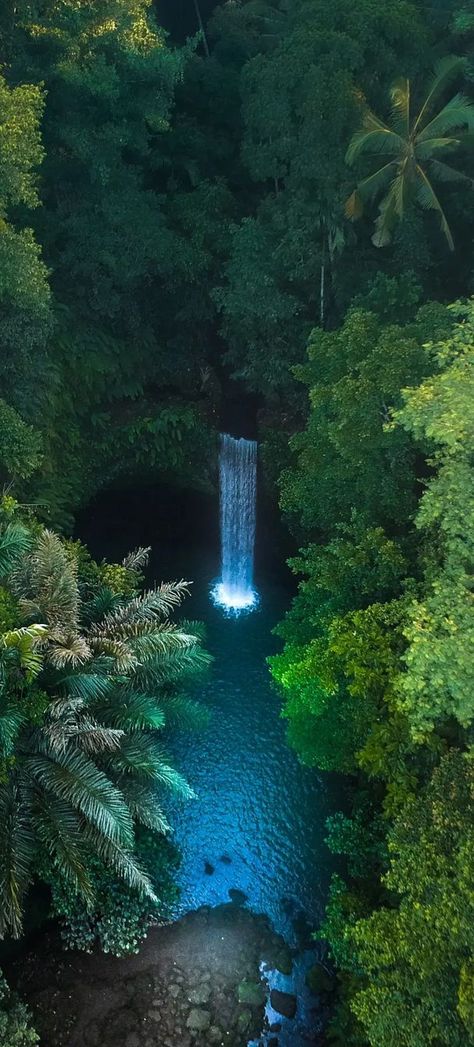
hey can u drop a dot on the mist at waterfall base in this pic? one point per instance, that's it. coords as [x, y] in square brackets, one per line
[257, 825]
[234, 591]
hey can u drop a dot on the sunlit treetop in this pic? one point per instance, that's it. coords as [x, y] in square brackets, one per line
[21, 151]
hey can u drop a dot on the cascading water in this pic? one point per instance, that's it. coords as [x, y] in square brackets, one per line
[238, 493]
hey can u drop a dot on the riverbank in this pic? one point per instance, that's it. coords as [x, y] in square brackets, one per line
[194, 982]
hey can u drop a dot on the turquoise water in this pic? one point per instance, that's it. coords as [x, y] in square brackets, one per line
[258, 823]
[258, 820]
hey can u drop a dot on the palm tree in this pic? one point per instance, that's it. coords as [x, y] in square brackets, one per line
[86, 688]
[201, 27]
[412, 146]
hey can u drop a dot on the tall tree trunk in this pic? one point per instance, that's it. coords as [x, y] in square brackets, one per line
[201, 27]
[322, 316]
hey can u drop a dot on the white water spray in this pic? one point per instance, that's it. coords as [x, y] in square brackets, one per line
[238, 493]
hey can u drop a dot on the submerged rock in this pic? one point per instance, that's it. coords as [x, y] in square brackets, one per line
[237, 897]
[208, 868]
[283, 1002]
[198, 1020]
[251, 993]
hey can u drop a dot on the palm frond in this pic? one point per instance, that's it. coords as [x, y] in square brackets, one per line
[176, 668]
[367, 189]
[103, 602]
[144, 806]
[151, 604]
[141, 757]
[400, 95]
[67, 723]
[426, 148]
[15, 542]
[122, 861]
[28, 643]
[73, 777]
[11, 720]
[374, 137]
[132, 711]
[354, 207]
[161, 642]
[181, 711]
[195, 627]
[69, 650]
[137, 559]
[16, 856]
[387, 216]
[456, 115]
[59, 831]
[445, 71]
[428, 199]
[118, 651]
[88, 685]
[47, 584]
[446, 173]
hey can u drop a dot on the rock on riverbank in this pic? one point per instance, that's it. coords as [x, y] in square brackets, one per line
[196, 982]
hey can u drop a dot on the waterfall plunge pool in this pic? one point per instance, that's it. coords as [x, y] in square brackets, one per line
[257, 825]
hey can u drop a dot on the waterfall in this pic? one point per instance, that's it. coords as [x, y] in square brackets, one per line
[238, 491]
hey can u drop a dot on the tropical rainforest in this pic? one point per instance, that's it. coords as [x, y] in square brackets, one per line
[274, 197]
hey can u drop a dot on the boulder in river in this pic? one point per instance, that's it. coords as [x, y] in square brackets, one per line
[283, 1002]
[251, 993]
[237, 897]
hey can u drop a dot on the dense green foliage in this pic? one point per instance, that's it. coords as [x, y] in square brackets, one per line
[91, 362]
[92, 671]
[413, 145]
[377, 669]
[15, 1026]
[175, 218]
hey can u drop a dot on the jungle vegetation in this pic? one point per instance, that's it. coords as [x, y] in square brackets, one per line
[286, 204]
